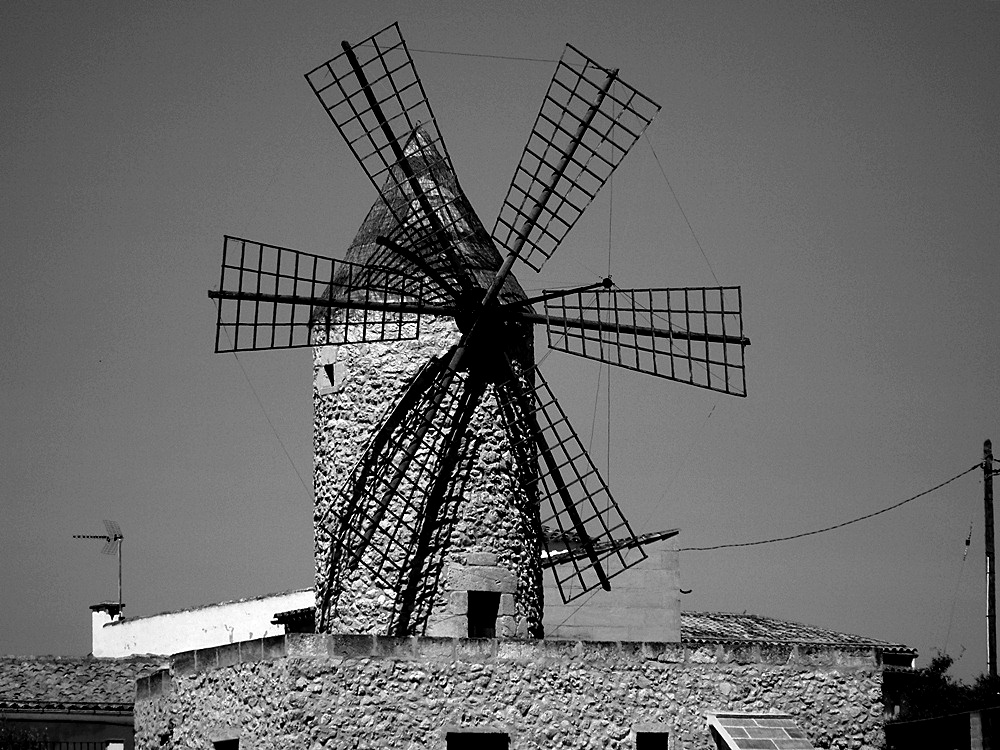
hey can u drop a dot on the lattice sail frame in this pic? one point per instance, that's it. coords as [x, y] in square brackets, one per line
[269, 300]
[381, 111]
[692, 335]
[574, 500]
[609, 130]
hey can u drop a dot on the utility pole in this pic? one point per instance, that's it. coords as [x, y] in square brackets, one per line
[991, 574]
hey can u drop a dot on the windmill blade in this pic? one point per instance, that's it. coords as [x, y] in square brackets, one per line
[374, 97]
[271, 297]
[113, 529]
[692, 335]
[380, 508]
[574, 500]
[588, 121]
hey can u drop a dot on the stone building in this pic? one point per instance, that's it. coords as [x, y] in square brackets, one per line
[448, 644]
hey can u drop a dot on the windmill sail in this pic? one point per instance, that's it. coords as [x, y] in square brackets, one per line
[271, 297]
[692, 335]
[573, 497]
[588, 121]
[373, 95]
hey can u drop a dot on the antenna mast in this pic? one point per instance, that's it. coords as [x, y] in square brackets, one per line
[113, 545]
[991, 572]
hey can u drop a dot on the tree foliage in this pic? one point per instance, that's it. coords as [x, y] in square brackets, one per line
[14, 737]
[930, 691]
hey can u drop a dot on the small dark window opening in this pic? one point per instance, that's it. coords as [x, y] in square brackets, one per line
[329, 372]
[226, 745]
[483, 608]
[478, 741]
[651, 740]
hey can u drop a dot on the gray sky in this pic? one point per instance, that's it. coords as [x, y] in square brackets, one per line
[840, 161]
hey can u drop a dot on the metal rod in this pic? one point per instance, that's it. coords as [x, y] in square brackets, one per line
[120, 605]
[991, 582]
[448, 310]
[606, 283]
[340, 304]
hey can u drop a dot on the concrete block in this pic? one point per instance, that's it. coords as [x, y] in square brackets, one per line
[273, 647]
[228, 655]
[351, 646]
[526, 652]
[183, 664]
[506, 627]
[456, 626]
[306, 644]
[205, 659]
[507, 605]
[481, 558]
[458, 602]
[397, 648]
[435, 648]
[251, 651]
[481, 578]
[475, 649]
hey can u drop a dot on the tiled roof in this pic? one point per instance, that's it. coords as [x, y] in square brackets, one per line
[757, 731]
[727, 627]
[70, 683]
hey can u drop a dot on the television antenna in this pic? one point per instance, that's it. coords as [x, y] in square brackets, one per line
[113, 546]
[424, 253]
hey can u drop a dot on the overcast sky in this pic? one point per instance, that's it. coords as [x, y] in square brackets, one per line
[839, 161]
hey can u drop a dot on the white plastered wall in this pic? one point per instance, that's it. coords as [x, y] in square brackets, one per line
[199, 627]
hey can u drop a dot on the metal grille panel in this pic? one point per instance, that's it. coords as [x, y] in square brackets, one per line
[692, 335]
[273, 298]
[558, 176]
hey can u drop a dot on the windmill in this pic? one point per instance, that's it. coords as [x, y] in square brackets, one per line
[422, 256]
[113, 546]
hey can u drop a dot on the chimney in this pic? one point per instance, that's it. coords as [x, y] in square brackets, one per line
[104, 613]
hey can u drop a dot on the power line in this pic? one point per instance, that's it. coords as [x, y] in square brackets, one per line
[264, 411]
[477, 54]
[835, 526]
[681, 208]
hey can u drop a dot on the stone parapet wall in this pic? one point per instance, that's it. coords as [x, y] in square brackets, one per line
[360, 691]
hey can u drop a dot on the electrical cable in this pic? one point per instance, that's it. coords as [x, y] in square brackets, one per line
[835, 526]
[681, 209]
[958, 584]
[491, 57]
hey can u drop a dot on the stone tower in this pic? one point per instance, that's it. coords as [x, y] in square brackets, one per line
[485, 576]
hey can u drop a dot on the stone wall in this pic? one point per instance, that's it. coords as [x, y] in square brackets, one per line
[320, 691]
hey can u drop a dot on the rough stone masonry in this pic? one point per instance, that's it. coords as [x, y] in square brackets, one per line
[317, 692]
